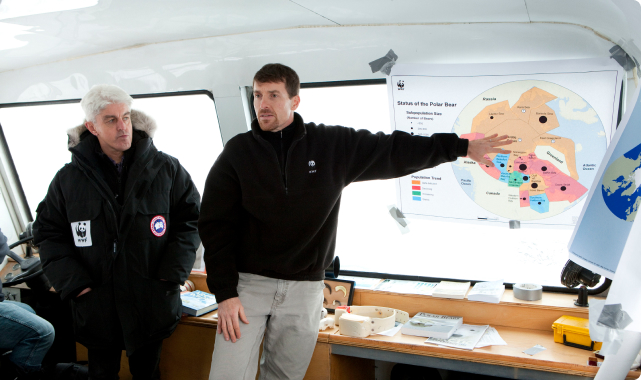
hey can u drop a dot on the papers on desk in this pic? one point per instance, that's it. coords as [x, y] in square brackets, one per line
[432, 325]
[407, 287]
[490, 338]
[450, 289]
[465, 337]
[491, 291]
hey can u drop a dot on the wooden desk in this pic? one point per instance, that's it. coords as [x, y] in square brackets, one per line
[522, 324]
[556, 362]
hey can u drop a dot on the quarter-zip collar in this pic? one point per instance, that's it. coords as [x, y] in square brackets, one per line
[282, 142]
[298, 126]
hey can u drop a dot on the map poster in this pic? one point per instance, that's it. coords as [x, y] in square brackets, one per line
[560, 116]
[605, 222]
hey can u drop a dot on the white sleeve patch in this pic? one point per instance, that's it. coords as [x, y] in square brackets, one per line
[81, 233]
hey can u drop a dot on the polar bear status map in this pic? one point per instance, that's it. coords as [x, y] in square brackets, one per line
[560, 122]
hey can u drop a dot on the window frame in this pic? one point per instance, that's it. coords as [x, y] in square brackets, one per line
[21, 196]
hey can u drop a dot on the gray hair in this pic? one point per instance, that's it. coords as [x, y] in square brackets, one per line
[100, 96]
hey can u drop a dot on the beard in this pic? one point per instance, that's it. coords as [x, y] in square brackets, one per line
[268, 125]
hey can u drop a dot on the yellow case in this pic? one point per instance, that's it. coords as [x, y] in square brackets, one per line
[574, 332]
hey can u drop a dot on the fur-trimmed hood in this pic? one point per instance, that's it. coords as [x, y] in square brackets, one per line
[139, 121]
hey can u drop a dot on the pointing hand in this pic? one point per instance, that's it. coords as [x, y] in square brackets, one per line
[477, 149]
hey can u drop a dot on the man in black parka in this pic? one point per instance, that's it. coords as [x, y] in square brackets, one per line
[117, 235]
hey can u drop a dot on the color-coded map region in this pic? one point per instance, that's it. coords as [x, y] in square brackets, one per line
[550, 127]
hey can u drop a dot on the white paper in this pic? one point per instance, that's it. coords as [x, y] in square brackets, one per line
[490, 338]
[465, 337]
[451, 289]
[491, 291]
[407, 287]
[489, 284]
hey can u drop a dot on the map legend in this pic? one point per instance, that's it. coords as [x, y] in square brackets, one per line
[423, 187]
[416, 190]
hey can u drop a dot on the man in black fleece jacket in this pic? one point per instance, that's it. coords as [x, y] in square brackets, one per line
[269, 217]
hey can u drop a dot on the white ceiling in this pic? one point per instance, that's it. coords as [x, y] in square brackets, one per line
[117, 24]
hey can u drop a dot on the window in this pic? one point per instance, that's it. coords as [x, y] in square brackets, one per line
[188, 130]
[36, 136]
[370, 240]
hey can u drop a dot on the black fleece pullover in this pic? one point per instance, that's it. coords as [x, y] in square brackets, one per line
[280, 221]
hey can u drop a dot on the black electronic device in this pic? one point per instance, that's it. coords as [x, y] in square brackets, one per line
[333, 269]
[573, 275]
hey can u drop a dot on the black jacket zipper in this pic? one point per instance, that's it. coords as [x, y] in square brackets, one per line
[284, 163]
[282, 167]
[90, 173]
[289, 156]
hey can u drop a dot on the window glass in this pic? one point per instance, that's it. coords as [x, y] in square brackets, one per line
[37, 140]
[370, 240]
[188, 130]
[36, 136]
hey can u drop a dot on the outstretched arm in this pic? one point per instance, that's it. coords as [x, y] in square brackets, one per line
[477, 149]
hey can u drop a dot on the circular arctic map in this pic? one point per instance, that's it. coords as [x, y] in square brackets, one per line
[621, 185]
[557, 142]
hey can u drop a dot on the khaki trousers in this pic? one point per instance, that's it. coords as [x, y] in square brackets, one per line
[287, 314]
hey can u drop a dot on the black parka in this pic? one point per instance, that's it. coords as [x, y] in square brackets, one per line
[124, 260]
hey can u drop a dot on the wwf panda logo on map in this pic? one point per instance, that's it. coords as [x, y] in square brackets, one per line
[158, 226]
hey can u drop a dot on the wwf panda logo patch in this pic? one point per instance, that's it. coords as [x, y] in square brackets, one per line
[81, 233]
[158, 226]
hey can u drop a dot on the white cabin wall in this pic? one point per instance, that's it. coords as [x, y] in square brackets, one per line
[218, 45]
[223, 64]
[603, 16]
